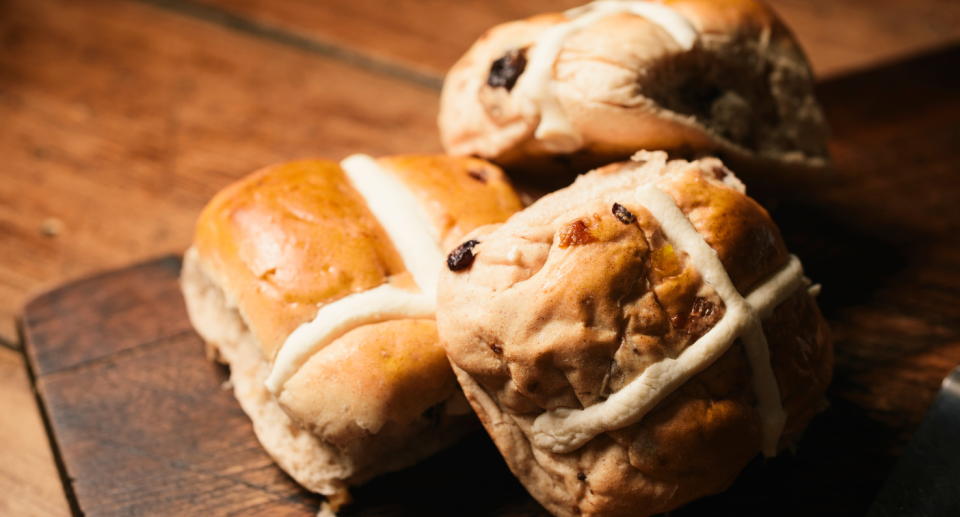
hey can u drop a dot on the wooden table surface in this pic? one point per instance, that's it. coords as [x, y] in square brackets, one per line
[122, 117]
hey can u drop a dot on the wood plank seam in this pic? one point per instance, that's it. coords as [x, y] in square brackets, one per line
[37, 384]
[316, 46]
[137, 451]
[29, 318]
[168, 260]
[122, 355]
[45, 416]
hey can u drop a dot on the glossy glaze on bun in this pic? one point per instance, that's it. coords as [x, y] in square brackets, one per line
[583, 294]
[276, 247]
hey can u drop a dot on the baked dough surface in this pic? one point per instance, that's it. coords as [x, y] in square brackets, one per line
[624, 83]
[274, 247]
[565, 304]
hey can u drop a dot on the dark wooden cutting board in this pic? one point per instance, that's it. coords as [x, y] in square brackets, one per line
[142, 424]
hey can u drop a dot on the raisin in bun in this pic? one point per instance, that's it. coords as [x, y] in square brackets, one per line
[316, 283]
[576, 90]
[632, 341]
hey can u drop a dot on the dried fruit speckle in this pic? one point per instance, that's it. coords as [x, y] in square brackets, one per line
[505, 71]
[623, 215]
[462, 257]
[578, 232]
[697, 320]
[478, 174]
[665, 262]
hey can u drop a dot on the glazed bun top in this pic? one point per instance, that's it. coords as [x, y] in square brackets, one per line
[572, 91]
[295, 236]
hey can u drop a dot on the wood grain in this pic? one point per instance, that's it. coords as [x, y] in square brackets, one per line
[897, 306]
[121, 120]
[125, 312]
[146, 426]
[430, 35]
[846, 36]
[31, 484]
[129, 398]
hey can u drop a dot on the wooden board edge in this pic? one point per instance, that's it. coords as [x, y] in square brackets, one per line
[45, 416]
[170, 261]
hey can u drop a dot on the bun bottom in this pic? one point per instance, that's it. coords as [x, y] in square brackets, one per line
[597, 479]
[318, 465]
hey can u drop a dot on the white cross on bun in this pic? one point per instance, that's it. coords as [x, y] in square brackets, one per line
[567, 92]
[632, 341]
[316, 283]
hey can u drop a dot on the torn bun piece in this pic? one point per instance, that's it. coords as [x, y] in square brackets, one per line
[566, 92]
[632, 341]
[316, 283]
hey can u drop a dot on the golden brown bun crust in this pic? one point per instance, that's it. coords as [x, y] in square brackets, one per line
[327, 396]
[742, 17]
[281, 242]
[460, 193]
[315, 463]
[565, 327]
[295, 235]
[289, 237]
[740, 230]
[745, 90]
